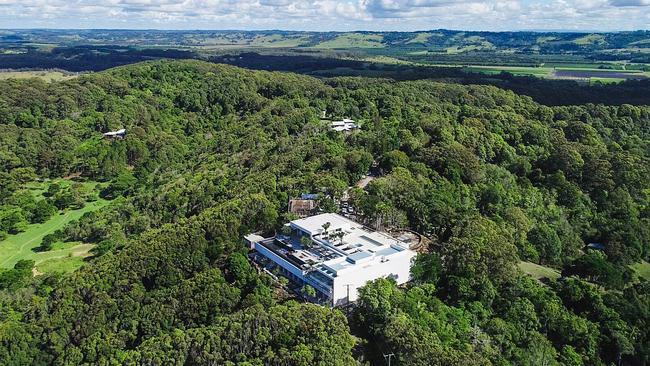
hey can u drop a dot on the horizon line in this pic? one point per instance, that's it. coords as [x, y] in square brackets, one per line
[326, 31]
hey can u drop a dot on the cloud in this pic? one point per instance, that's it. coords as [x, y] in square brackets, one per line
[422, 8]
[630, 2]
[327, 14]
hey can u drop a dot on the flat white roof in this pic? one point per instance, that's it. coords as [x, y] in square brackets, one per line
[357, 245]
[314, 224]
[113, 133]
[345, 125]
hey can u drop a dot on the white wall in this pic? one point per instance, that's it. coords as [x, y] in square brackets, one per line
[279, 260]
[398, 267]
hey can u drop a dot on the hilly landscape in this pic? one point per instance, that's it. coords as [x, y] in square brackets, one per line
[613, 56]
[325, 183]
[537, 216]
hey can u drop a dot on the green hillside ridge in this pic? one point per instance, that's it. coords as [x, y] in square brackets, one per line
[495, 181]
[353, 40]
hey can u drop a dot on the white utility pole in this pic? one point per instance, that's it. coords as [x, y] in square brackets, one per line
[388, 357]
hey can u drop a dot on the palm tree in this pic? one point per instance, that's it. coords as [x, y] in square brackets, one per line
[325, 227]
[306, 242]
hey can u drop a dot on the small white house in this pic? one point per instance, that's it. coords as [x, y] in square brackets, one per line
[116, 134]
[344, 125]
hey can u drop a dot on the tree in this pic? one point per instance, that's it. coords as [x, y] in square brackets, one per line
[479, 255]
[12, 220]
[393, 159]
[309, 291]
[593, 266]
[16, 277]
[43, 211]
[306, 241]
[48, 240]
[121, 185]
[547, 243]
[8, 185]
[326, 227]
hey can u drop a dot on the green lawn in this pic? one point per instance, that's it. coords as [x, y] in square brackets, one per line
[642, 269]
[537, 271]
[38, 188]
[19, 246]
[63, 263]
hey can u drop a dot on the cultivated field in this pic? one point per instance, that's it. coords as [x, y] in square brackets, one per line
[586, 72]
[44, 75]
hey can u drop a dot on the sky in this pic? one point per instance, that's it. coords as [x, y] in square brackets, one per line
[329, 15]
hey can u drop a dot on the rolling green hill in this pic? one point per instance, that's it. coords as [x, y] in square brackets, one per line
[505, 189]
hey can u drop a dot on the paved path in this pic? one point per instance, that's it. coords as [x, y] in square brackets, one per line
[364, 181]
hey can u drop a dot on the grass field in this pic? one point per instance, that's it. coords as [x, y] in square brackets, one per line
[353, 40]
[277, 40]
[387, 60]
[642, 269]
[420, 38]
[589, 72]
[63, 256]
[605, 80]
[515, 70]
[541, 40]
[38, 188]
[537, 271]
[48, 76]
[20, 246]
[590, 39]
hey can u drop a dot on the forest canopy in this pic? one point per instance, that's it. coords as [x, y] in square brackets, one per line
[213, 152]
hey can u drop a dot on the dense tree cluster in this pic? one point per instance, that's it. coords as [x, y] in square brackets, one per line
[213, 152]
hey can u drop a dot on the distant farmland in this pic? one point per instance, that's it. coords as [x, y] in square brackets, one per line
[588, 74]
[46, 75]
[573, 72]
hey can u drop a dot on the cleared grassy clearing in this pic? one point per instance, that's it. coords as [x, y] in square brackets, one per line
[515, 70]
[48, 76]
[453, 50]
[642, 269]
[63, 265]
[420, 38]
[537, 271]
[20, 246]
[586, 65]
[38, 188]
[388, 60]
[568, 72]
[590, 39]
[541, 40]
[605, 80]
[416, 53]
[353, 40]
[279, 41]
[596, 69]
